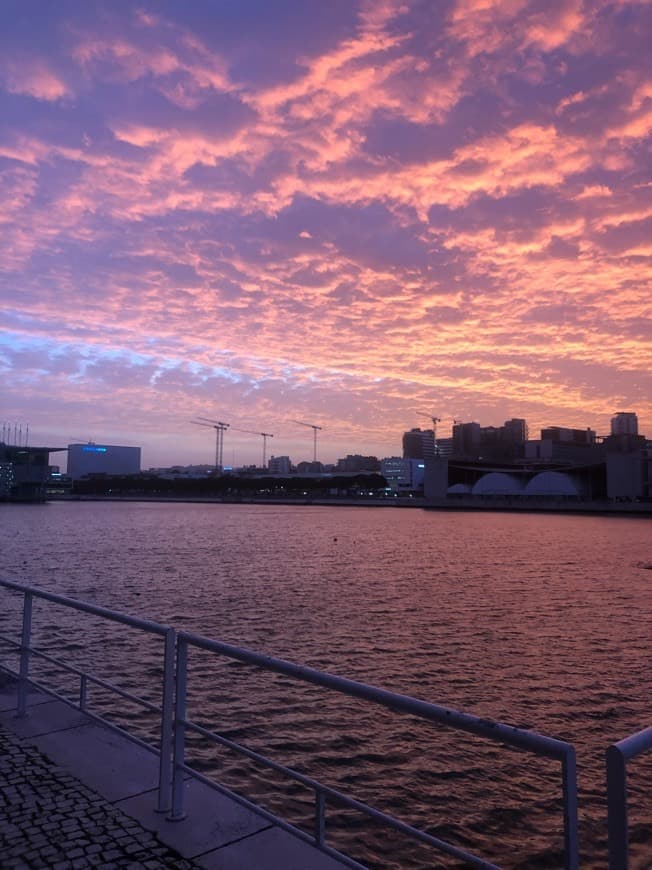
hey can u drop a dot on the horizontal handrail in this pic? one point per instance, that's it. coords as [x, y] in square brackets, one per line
[94, 716]
[266, 814]
[517, 737]
[95, 609]
[173, 725]
[97, 681]
[339, 797]
[496, 731]
[636, 743]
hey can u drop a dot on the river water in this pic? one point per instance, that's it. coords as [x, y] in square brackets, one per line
[539, 621]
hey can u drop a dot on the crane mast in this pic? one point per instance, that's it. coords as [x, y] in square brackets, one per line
[265, 436]
[220, 428]
[314, 428]
[435, 420]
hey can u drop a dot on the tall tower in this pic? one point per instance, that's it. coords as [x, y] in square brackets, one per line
[624, 423]
[516, 431]
[419, 444]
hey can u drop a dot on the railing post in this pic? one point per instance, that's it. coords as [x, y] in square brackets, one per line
[571, 844]
[23, 684]
[617, 808]
[83, 692]
[177, 812]
[320, 818]
[167, 724]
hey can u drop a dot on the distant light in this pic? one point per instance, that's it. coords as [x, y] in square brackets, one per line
[93, 449]
[421, 465]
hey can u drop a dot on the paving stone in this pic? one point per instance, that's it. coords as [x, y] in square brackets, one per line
[49, 820]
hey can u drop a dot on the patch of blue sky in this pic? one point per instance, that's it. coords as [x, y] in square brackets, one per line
[199, 370]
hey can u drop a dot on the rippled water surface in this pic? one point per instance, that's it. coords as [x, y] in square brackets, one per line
[539, 621]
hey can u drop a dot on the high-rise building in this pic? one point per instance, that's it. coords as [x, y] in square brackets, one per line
[515, 431]
[466, 439]
[419, 444]
[624, 423]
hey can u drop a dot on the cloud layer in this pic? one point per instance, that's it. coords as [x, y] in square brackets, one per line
[343, 213]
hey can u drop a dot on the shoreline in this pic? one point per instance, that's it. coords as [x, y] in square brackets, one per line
[488, 504]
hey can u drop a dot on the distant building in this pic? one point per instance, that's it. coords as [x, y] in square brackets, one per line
[515, 431]
[24, 472]
[403, 475]
[310, 468]
[356, 462]
[566, 465]
[628, 475]
[568, 436]
[185, 472]
[279, 465]
[490, 442]
[444, 446]
[466, 439]
[629, 469]
[624, 423]
[418, 444]
[86, 459]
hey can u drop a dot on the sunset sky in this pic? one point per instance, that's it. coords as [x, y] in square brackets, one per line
[352, 214]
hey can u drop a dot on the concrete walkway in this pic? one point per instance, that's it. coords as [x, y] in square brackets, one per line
[49, 819]
[75, 794]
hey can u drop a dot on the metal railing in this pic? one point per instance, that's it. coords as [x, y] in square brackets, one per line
[174, 724]
[26, 652]
[617, 756]
[496, 731]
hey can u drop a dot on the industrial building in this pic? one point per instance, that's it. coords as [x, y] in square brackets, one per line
[564, 466]
[24, 472]
[88, 459]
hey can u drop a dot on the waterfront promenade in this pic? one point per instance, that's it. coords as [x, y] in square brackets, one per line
[50, 819]
[75, 795]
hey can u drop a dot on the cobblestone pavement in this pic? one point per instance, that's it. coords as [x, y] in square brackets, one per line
[49, 819]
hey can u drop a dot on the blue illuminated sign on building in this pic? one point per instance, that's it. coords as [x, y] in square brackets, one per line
[93, 449]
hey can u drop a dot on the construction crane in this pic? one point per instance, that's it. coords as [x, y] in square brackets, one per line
[220, 429]
[435, 420]
[314, 429]
[265, 436]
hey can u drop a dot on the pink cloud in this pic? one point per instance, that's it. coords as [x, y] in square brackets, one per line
[594, 190]
[554, 26]
[501, 260]
[30, 76]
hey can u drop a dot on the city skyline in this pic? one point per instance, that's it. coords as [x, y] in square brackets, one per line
[353, 215]
[517, 430]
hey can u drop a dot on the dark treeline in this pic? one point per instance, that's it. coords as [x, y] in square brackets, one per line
[231, 486]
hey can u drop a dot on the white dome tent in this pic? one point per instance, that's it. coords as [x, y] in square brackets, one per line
[552, 483]
[497, 483]
[459, 489]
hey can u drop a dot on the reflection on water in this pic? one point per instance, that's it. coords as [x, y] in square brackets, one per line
[540, 621]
